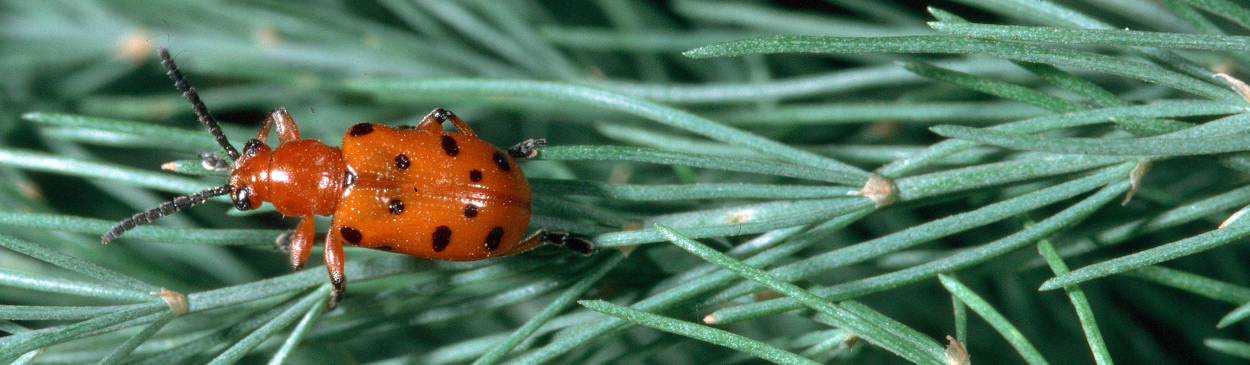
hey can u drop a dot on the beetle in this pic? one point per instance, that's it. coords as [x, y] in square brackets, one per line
[415, 190]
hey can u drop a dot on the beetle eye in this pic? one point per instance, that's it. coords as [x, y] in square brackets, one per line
[242, 198]
[251, 146]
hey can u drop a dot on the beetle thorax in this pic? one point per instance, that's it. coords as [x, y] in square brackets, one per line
[300, 178]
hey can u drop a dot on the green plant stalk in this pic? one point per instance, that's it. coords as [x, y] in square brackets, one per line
[1189, 282]
[121, 351]
[1116, 38]
[59, 165]
[881, 336]
[62, 313]
[1230, 347]
[996, 319]
[293, 311]
[1074, 119]
[679, 192]
[635, 154]
[1234, 316]
[28, 281]
[1084, 313]
[16, 345]
[570, 295]
[926, 232]
[1156, 146]
[73, 263]
[961, 45]
[704, 333]
[684, 292]
[783, 218]
[202, 236]
[830, 83]
[961, 319]
[1225, 9]
[1202, 242]
[993, 87]
[191, 140]
[1064, 219]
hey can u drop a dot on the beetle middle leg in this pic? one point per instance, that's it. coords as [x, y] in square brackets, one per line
[301, 241]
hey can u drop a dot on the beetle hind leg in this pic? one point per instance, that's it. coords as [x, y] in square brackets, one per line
[563, 239]
[571, 242]
[525, 150]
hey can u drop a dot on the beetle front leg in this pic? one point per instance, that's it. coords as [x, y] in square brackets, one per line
[287, 131]
[334, 265]
[301, 242]
[211, 161]
[279, 118]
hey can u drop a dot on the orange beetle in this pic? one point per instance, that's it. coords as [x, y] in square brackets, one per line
[413, 190]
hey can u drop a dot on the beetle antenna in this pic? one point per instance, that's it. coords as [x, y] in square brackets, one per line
[197, 105]
[164, 209]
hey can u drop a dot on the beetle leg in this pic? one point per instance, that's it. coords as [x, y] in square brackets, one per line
[570, 242]
[525, 150]
[434, 122]
[287, 131]
[334, 265]
[301, 242]
[211, 161]
[563, 239]
[285, 124]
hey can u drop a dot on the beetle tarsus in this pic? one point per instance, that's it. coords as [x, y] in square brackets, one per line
[211, 161]
[434, 122]
[571, 242]
[526, 150]
[440, 114]
[283, 242]
[336, 295]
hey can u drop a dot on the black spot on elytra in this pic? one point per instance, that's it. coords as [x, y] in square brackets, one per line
[351, 235]
[450, 146]
[494, 238]
[502, 161]
[475, 176]
[402, 162]
[361, 129]
[385, 248]
[470, 211]
[442, 237]
[397, 206]
[416, 190]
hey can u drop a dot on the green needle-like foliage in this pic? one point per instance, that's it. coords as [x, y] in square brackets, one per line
[767, 182]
